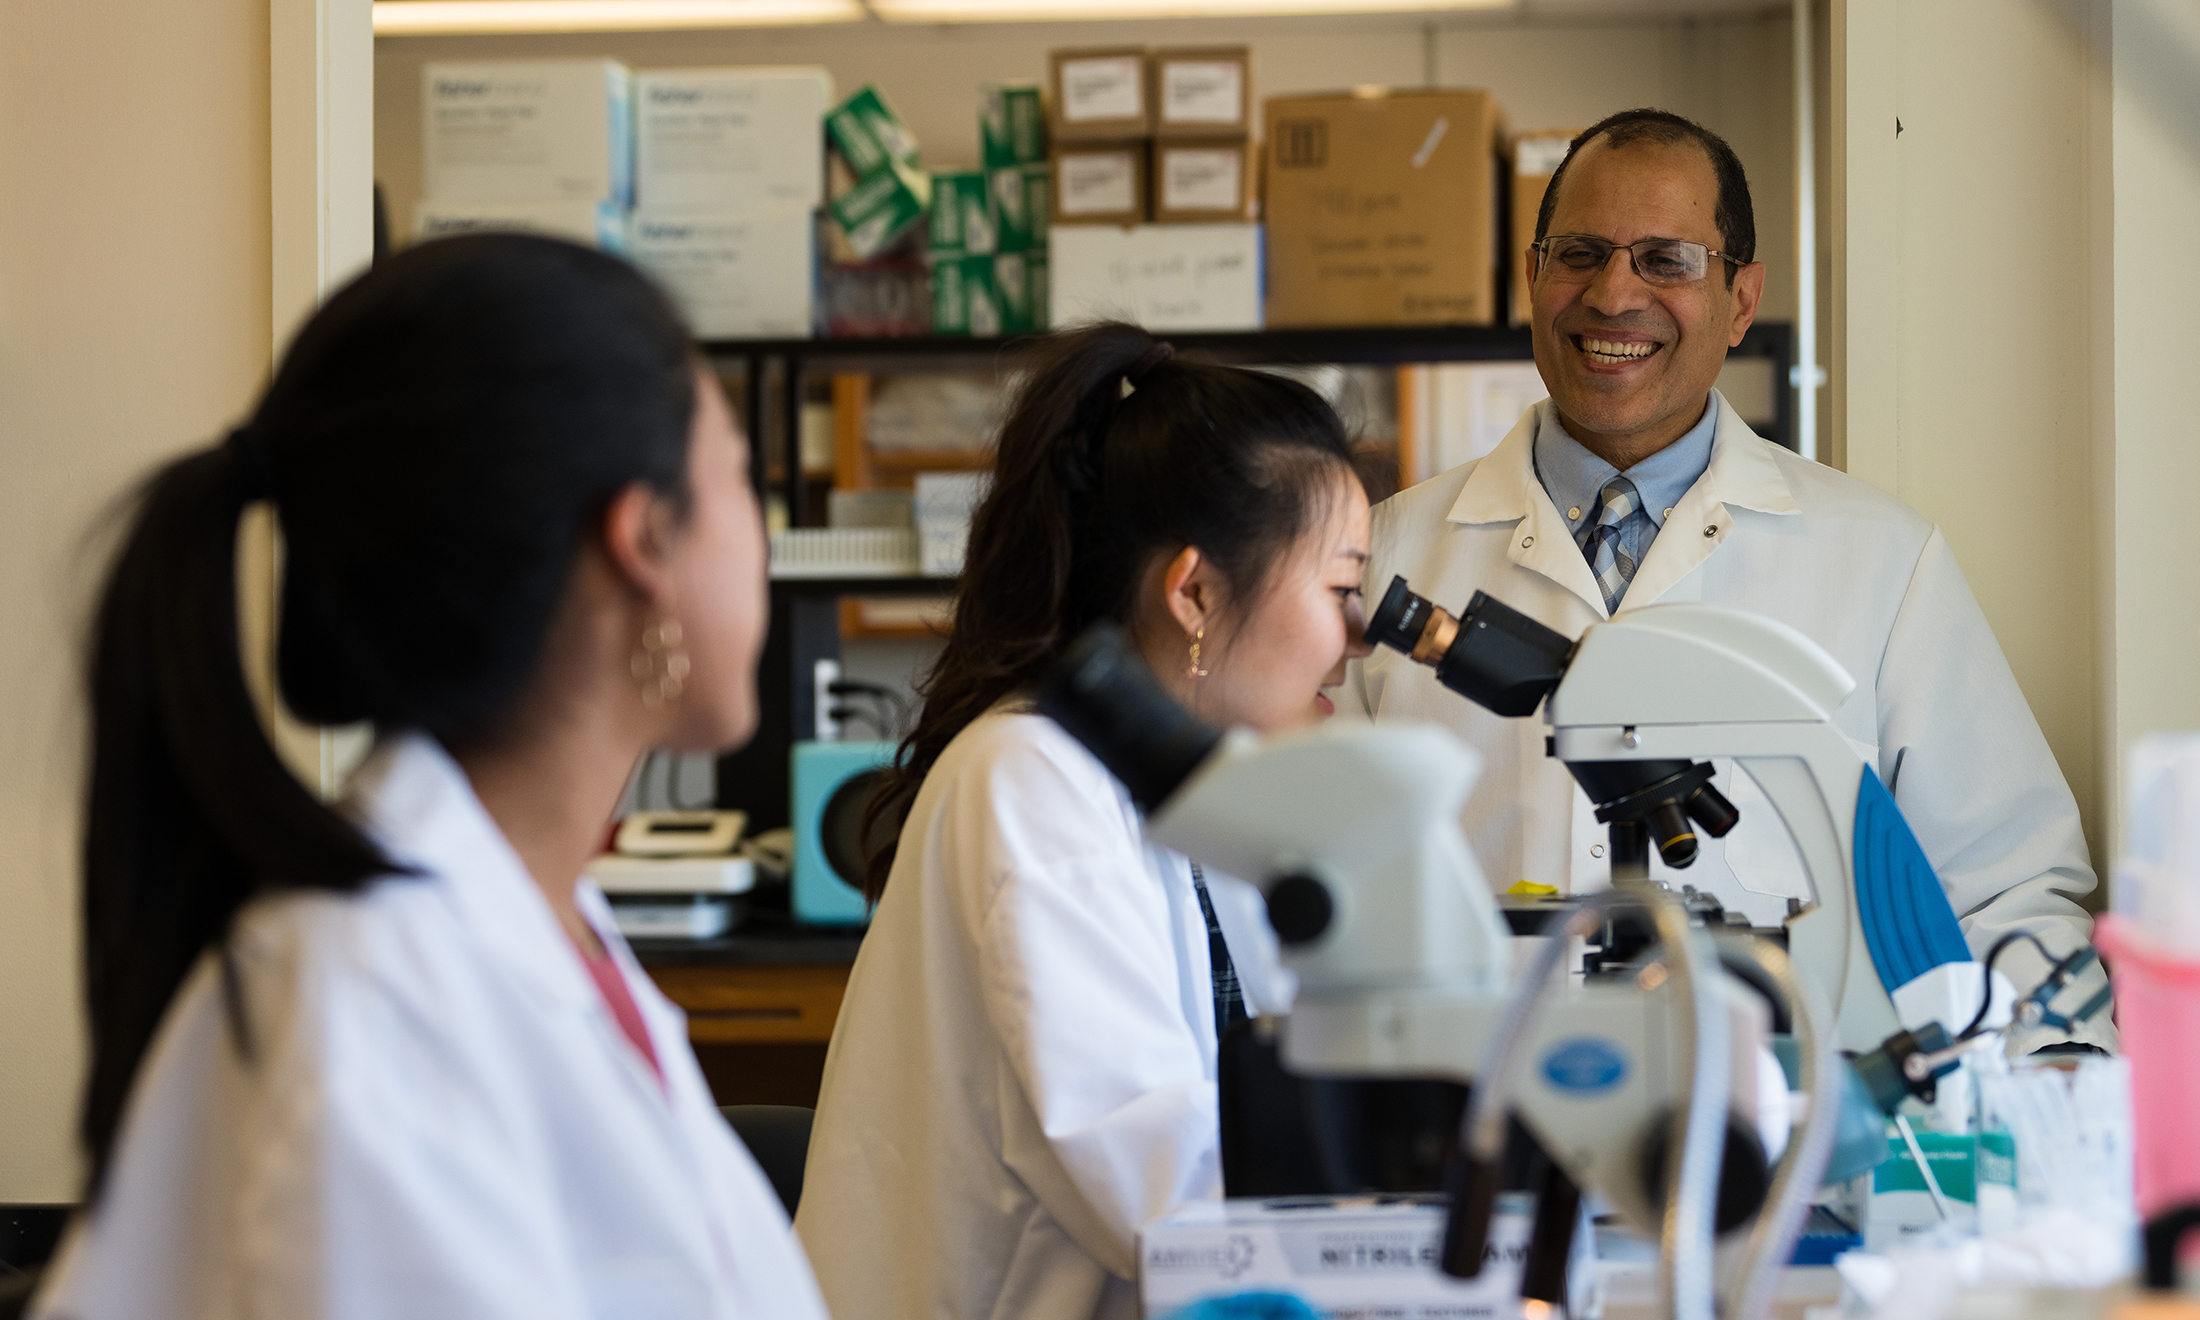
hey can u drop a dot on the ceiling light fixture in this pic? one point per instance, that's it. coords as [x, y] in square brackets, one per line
[403, 18]
[1041, 11]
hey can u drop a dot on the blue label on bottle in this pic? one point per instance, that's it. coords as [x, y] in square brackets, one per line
[1585, 1064]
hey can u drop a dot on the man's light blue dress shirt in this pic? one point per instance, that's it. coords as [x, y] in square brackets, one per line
[1573, 477]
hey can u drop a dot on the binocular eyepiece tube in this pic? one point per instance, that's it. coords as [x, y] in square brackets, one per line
[1507, 663]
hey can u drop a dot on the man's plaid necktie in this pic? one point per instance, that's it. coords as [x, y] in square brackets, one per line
[1608, 559]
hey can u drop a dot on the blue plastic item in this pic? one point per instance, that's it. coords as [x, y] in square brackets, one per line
[1908, 925]
[823, 894]
[1248, 1306]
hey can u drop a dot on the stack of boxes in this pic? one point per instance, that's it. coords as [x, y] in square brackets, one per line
[541, 146]
[889, 192]
[709, 179]
[731, 173]
[1154, 181]
[988, 236]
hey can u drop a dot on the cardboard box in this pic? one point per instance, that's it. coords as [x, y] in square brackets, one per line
[881, 207]
[1535, 158]
[1202, 180]
[1382, 209]
[964, 218]
[1098, 95]
[1346, 1257]
[730, 137]
[528, 130]
[736, 274]
[868, 134]
[600, 224]
[1099, 183]
[1163, 277]
[1012, 125]
[1202, 91]
[1022, 203]
[964, 301]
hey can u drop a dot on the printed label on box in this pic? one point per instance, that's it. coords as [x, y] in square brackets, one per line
[1201, 179]
[735, 275]
[1102, 89]
[1098, 182]
[1202, 92]
[1535, 157]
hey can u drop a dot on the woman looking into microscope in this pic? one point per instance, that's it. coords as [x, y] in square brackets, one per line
[1023, 1072]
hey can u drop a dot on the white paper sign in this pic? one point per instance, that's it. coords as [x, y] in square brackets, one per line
[1202, 92]
[1201, 179]
[1099, 89]
[1097, 183]
[1537, 157]
[1163, 277]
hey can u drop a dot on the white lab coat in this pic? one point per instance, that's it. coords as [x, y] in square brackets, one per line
[442, 1117]
[1023, 1070]
[1851, 567]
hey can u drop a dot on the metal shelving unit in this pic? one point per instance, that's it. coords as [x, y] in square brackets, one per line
[790, 362]
[805, 612]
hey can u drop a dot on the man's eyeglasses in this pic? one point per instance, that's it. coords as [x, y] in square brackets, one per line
[1576, 259]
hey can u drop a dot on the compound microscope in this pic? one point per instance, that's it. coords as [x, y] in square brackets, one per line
[1352, 901]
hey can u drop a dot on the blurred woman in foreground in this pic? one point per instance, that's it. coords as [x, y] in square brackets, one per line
[391, 1058]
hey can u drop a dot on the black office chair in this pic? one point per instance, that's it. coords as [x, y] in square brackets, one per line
[779, 1137]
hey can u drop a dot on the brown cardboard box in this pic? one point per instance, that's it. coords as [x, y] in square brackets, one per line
[1203, 180]
[1099, 183]
[1098, 94]
[1535, 157]
[1382, 208]
[1202, 91]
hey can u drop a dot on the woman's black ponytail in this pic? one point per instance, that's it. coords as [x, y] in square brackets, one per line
[435, 446]
[1115, 449]
[189, 805]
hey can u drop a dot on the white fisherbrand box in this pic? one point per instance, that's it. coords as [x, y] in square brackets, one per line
[736, 274]
[528, 130]
[600, 223]
[731, 138]
[1346, 1257]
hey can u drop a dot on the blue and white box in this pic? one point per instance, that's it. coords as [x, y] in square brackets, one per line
[528, 130]
[1346, 1257]
[600, 223]
[735, 274]
[731, 138]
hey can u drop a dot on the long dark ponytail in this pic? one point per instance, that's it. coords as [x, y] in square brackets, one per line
[1114, 449]
[434, 446]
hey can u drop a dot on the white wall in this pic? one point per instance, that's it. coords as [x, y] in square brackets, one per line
[1731, 73]
[134, 322]
[1994, 380]
[2007, 335]
[2149, 676]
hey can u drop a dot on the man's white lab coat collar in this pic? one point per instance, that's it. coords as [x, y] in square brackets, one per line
[1503, 488]
[416, 802]
[1742, 473]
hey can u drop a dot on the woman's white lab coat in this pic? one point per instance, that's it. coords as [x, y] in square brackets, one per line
[438, 1117]
[1023, 1070]
[1936, 710]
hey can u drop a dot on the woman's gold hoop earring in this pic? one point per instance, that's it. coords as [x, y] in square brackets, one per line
[661, 664]
[1193, 670]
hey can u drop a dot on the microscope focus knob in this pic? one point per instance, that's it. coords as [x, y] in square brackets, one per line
[1300, 908]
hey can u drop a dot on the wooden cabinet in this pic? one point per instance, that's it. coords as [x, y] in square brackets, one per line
[743, 1003]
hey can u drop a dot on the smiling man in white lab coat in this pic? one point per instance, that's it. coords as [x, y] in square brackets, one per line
[1636, 483]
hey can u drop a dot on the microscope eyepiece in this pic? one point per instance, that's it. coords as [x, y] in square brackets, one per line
[1492, 654]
